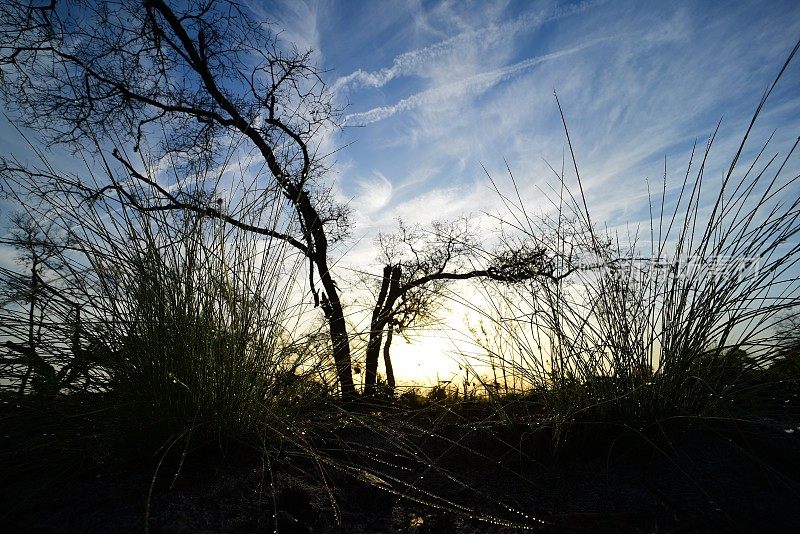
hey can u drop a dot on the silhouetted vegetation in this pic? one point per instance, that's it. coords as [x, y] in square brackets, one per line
[150, 327]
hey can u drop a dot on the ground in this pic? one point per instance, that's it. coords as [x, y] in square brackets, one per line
[366, 472]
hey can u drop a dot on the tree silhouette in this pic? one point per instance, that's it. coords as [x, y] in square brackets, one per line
[144, 84]
[40, 248]
[419, 265]
[196, 77]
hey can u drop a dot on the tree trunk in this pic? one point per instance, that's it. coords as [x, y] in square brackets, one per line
[376, 335]
[381, 314]
[387, 360]
[340, 340]
[24, 383]
[372, 357]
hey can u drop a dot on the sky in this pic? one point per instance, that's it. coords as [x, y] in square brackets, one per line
[434, 92]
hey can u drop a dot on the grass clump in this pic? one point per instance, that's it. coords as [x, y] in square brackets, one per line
[199, 353]
[677, 320]
[186, 325]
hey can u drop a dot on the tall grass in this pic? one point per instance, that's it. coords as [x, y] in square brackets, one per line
[205, 343]
[674, 319]
[190, 324]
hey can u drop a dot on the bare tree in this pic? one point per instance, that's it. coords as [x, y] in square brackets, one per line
[40, 247]
[200, 78]
[420, 264]
[147, 85]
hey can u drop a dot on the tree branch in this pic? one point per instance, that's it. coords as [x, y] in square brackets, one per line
[176, 204]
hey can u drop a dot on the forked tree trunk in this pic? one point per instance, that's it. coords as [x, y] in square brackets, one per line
[381, 315]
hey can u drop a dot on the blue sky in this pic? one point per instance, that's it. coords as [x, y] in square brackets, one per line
[434, 90]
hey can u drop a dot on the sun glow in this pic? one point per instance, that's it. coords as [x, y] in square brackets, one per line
[429, 358]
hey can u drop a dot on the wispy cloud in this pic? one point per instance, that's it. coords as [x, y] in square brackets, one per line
[374, 194]
[415, 61]
[472, 85]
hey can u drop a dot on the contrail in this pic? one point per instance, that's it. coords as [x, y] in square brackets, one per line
[409, 62]
[473, 85]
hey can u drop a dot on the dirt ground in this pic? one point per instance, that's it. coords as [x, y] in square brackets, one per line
[444, 478]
